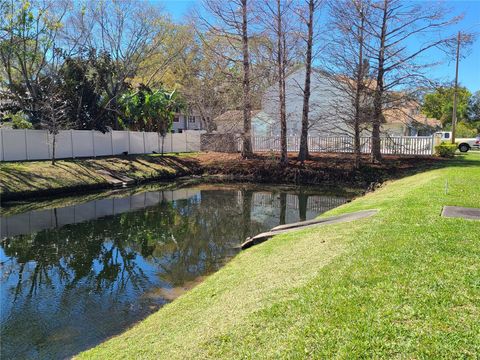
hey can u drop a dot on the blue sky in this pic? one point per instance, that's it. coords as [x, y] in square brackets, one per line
[469, 72]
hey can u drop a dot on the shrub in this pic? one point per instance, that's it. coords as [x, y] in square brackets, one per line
[446, 150]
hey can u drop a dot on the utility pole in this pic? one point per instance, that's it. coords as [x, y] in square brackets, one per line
[454, 115]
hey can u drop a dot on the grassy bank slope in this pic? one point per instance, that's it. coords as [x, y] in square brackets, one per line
[22, 179]
[404, 284]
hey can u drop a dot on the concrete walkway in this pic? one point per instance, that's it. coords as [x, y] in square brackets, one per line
[461, 212]
[306, 224]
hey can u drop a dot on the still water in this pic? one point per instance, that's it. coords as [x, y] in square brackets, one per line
[73, 276]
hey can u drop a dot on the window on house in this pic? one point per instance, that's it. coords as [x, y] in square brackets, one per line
[176, 119]
[446, 135]
[191, 119]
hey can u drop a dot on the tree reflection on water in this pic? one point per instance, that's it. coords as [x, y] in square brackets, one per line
[65, 289]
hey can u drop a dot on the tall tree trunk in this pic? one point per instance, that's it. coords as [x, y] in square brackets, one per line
[281, 86]
[247, 106]
[376, 155]
[356, 144]
[303, 154]
[53, 147]
[116, 123]
[359, 92]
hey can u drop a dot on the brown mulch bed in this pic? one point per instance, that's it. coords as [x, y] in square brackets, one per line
[320, 168]
[316, 160]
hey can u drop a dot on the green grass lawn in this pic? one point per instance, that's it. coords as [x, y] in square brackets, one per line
[403, 284]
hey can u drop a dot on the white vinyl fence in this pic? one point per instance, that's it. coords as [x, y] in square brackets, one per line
[405, 145]
[17, 145]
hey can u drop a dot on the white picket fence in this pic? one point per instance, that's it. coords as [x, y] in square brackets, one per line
[394, 145]
[17, 145]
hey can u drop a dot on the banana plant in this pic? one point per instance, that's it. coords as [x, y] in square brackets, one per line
[151, 110]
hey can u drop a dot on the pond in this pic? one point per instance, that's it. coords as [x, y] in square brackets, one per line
[76, 273]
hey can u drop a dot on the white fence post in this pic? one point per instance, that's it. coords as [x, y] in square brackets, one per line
[48, 145]
[26, 143]
[71, 143]
[93, 143]
[111, 141]
[144, 145]
[3, 147]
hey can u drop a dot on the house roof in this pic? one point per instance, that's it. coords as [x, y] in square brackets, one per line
[403, 116]
[233, 116]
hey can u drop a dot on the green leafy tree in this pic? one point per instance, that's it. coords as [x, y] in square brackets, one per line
[17, 120]
[126, 34]
[82, 81]
[474, 111]
[439, 104]
[29, 33]
[150, 110]
[464, 130]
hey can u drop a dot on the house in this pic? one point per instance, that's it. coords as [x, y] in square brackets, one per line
[231, 122]
[322, 123]
[187, 121]
[408, 121]
[326, 105]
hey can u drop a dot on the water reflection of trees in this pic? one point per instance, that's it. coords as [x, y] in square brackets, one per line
[204, 236]
[91, 277]
[184, 239]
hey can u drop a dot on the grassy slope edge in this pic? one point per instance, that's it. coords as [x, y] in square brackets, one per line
[21, 180]
[26, 178]
[403, 284]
